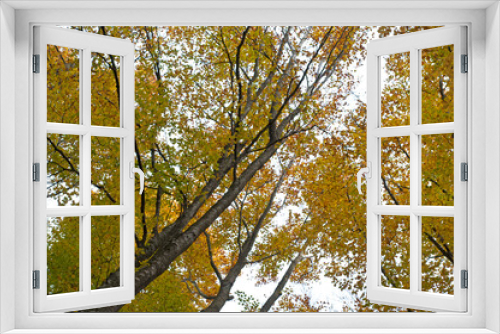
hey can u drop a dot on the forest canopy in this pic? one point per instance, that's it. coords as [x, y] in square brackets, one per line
[250, 139]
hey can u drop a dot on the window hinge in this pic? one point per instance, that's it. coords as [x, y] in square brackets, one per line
[465, 64]
[464, 171]
[465, 279]
[36, 63]
[36, 172]
[36, 279]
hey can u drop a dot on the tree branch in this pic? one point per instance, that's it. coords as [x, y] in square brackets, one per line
[281, 285]
[210, 254]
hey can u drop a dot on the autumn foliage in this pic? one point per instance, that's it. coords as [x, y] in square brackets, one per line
[250, 139]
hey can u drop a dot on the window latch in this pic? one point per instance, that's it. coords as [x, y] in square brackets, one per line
[132, 171]
[367, 172]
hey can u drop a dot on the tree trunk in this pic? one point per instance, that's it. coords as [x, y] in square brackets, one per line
[167, 253]
[281, 285]
[228, 282]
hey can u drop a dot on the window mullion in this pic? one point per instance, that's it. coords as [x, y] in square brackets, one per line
[82, 221]
[414, 171]
[86, 155]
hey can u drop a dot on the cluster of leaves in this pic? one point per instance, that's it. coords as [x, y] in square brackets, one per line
[63, 264]
[250, 149]
[248, 302]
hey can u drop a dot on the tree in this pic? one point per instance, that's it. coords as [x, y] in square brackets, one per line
[235, 98]
[250, 148]
[332, 190]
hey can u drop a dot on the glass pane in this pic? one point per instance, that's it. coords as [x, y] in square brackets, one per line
[437, 254]
[437, 84]
[63, 255]
[105, 235]
[437, 169]
[395, 170]
[63, 170]
[105, 171]
[395, 89]
[395, 255]
[105, 89]
[63, 85]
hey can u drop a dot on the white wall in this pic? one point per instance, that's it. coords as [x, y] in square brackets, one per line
[492, 167]
[7, 185]
[7, 158]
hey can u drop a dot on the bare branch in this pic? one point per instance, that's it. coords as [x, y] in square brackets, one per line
[210, 254]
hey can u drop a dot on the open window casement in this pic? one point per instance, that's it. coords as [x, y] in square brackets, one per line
[416, 208]
[84, 168]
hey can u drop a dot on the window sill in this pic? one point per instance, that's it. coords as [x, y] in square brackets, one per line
[250, 331]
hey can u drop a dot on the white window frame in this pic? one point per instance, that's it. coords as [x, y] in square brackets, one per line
[483, 208]
[86, 43]
[413, 43]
